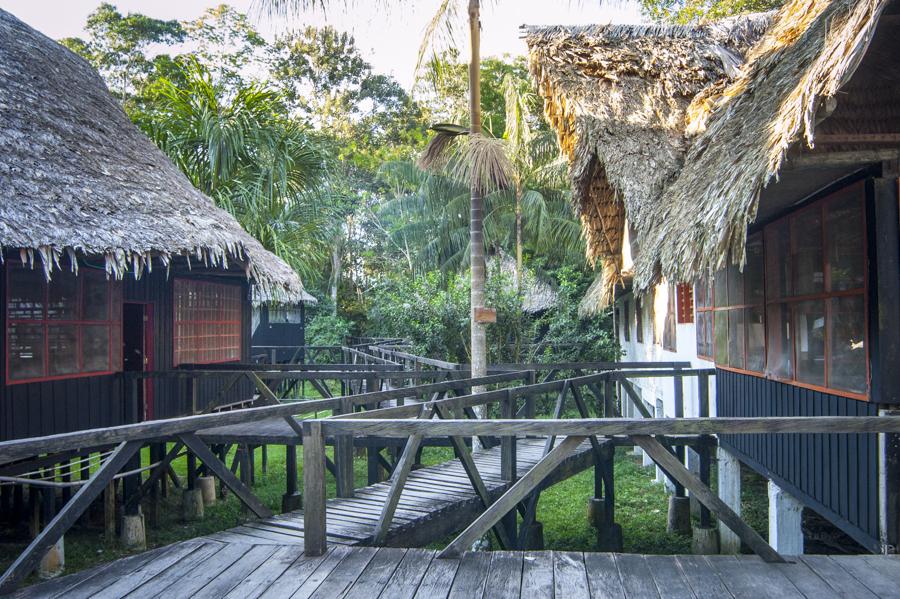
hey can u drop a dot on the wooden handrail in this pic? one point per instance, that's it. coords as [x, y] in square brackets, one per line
[17, 449]
[608, 427]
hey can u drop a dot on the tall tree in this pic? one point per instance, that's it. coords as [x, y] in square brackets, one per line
[242, 150]
[444, 19]
[225, 42]
[688, 11]
[117, 46]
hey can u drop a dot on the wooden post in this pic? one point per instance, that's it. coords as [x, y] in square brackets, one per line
[314, 530]
[109, 512]
[704, 449]
[508, 470]
[678, 382]
[343, 455]
[292, 498]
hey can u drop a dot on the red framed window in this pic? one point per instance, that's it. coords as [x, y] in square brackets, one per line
[65, 328]
[685, 304]
[207, 322]
[798, 312]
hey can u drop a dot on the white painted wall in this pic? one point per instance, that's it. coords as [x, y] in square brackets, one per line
[660, 392]
[662, 389]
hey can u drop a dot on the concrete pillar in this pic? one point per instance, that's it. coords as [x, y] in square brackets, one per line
[192, 505]
[785, 521]
[679, 517]
[729, 492]
[133, 533]
[54, 561]
[207, 486]
[705, 541]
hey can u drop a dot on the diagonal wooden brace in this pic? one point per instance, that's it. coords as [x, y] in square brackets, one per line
[225, 475]
[29, 559]
[516, 493]
[675, 469]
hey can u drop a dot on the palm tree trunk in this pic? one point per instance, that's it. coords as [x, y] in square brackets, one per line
[518, 238]
[476, 235]
[335, 272]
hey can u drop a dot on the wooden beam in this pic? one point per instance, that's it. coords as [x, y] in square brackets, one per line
[471, 469]
[398, 480]
[29, 559]
[609, 427]
[508, 501]
[704, 495]
[314, 524]
[840, 159]
[219, 469]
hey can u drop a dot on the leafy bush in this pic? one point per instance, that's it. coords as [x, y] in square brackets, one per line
[433, 315]
[326, 328]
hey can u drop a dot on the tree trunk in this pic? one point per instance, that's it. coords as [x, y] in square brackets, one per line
[476, 236]
[518, 238]
[335, 273]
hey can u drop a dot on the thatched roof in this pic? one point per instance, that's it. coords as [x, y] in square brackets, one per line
[806, 57]
[537, 295]
[78, 178]
[662, 132]
[618, 98]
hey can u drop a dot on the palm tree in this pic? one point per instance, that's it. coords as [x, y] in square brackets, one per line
[443, 19]
[242, 151]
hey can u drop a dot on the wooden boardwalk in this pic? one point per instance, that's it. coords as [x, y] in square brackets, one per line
[436, 501]
[210, 569]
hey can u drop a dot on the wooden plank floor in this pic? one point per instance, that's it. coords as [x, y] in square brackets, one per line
[205, 568]
[436, 501]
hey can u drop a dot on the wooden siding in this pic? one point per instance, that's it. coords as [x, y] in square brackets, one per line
[836, 475]
[45, 408]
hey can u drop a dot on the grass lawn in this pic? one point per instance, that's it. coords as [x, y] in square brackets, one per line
[641, 506]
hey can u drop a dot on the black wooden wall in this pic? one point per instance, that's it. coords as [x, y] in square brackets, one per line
[283, 334]
[834, 474]
[45, 408]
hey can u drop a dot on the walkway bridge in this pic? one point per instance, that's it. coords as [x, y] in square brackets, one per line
[326, 549]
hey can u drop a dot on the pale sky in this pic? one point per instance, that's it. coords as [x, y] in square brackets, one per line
[388, 37]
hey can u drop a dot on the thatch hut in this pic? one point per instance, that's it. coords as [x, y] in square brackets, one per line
[111, 260]
[618, 97]
[776, 194]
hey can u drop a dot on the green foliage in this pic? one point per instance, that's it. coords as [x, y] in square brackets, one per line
[116, 45]
[690, 11]
[327, 328]
[566, 337]
[433, 314]
[241, 150]
[225, 42]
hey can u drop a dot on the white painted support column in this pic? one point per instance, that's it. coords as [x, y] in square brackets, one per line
[729, 488]
[785, 522]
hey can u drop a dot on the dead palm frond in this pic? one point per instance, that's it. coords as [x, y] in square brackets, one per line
[483, 162]
[479, 160]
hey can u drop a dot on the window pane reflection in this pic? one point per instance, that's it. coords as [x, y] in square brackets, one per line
[809, 342]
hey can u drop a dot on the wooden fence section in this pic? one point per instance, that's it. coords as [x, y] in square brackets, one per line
[444, 408]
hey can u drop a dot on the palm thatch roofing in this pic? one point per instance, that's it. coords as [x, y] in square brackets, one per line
[618, 97]
[686, 164]
[78, 178]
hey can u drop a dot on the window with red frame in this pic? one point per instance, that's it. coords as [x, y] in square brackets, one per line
[207, 322]
[68, 327]
[798, 311]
